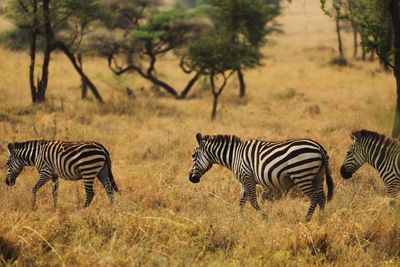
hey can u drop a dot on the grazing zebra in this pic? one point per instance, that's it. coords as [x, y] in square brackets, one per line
[274, 165]
[69, 160]
[378, 151]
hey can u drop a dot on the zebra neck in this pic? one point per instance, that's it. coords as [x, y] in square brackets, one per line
[380, 154]
[28, 152]
[224, 154]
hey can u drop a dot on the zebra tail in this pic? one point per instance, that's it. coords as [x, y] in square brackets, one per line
[329, 183]
[329, 179]
[110, 175]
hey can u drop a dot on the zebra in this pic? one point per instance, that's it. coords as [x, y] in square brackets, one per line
[380, 152]
[274, 165]
[69, 160]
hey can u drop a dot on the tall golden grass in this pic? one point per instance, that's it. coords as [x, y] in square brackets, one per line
[160, 218]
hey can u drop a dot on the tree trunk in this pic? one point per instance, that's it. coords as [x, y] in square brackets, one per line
[60, 45]
[372, 56]
[394, 10]
[189, 85]
[215, 96]
[216, 92]
[396, 125]
[339, 36]
[38, 91]
[32, 52]
[386, 48]
[214, 107]
[162, 84]
[363, 48]
[242, 85]
[83, 82]
[350, 4]
[355, 41]
[42, 85]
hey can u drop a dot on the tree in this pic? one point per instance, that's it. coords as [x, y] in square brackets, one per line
[50, 25]
[247, 22]
[217, 58]
[136, 45]
[379, 21]
[341, 60]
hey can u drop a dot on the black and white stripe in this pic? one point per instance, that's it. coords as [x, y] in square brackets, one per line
[69, 160]
[273, 165]
[380, 152]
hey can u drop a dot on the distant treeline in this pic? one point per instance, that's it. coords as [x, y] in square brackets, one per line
[213, 39]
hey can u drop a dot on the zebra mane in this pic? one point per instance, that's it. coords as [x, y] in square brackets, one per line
[221, 138]
[20, 145]
[361, 134]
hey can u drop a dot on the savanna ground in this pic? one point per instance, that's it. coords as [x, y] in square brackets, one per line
[160, 218]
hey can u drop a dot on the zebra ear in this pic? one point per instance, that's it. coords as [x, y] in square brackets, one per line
[199, 138]
[10, 147]
[354, 135]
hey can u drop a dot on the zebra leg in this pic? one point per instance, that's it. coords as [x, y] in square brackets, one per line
[314, 202]
[243, 198]
[321, 200]
[88, 182]
[43, 179]
[105, 181]
[392, 190]
[250, 188]
[55, 190]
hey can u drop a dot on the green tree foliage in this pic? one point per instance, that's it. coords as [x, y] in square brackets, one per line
[379, 21]
[217, 57]
[136, 45]
[69, 21]
[247, 22]
[239, 29]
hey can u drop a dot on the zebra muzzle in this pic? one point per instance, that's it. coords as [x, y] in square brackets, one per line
[10, 182]
[344, 173]
[194, 178]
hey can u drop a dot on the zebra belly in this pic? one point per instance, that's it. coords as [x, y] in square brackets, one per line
[299, 169]
[282, 182]
[71, 176]
[89, 167]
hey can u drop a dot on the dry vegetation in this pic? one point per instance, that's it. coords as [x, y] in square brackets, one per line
[160, 218]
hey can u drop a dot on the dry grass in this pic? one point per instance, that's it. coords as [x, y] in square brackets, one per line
[162, 219]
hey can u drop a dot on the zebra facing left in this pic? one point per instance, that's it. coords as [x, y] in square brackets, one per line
[273, 165]
[382, 153]
[68, 160]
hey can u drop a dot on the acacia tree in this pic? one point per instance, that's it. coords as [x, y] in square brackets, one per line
[247, 22]
[217, 58]
[50, 25]
[375, 35]
[137, 34]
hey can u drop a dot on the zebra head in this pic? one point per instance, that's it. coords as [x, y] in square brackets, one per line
[201, 162]
[14, 165]
[354, 157]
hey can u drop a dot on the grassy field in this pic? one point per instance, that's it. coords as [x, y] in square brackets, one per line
[160, 218]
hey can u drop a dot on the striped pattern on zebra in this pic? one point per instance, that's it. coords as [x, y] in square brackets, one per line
[275, 165]
[380, 152]
[69, 160]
